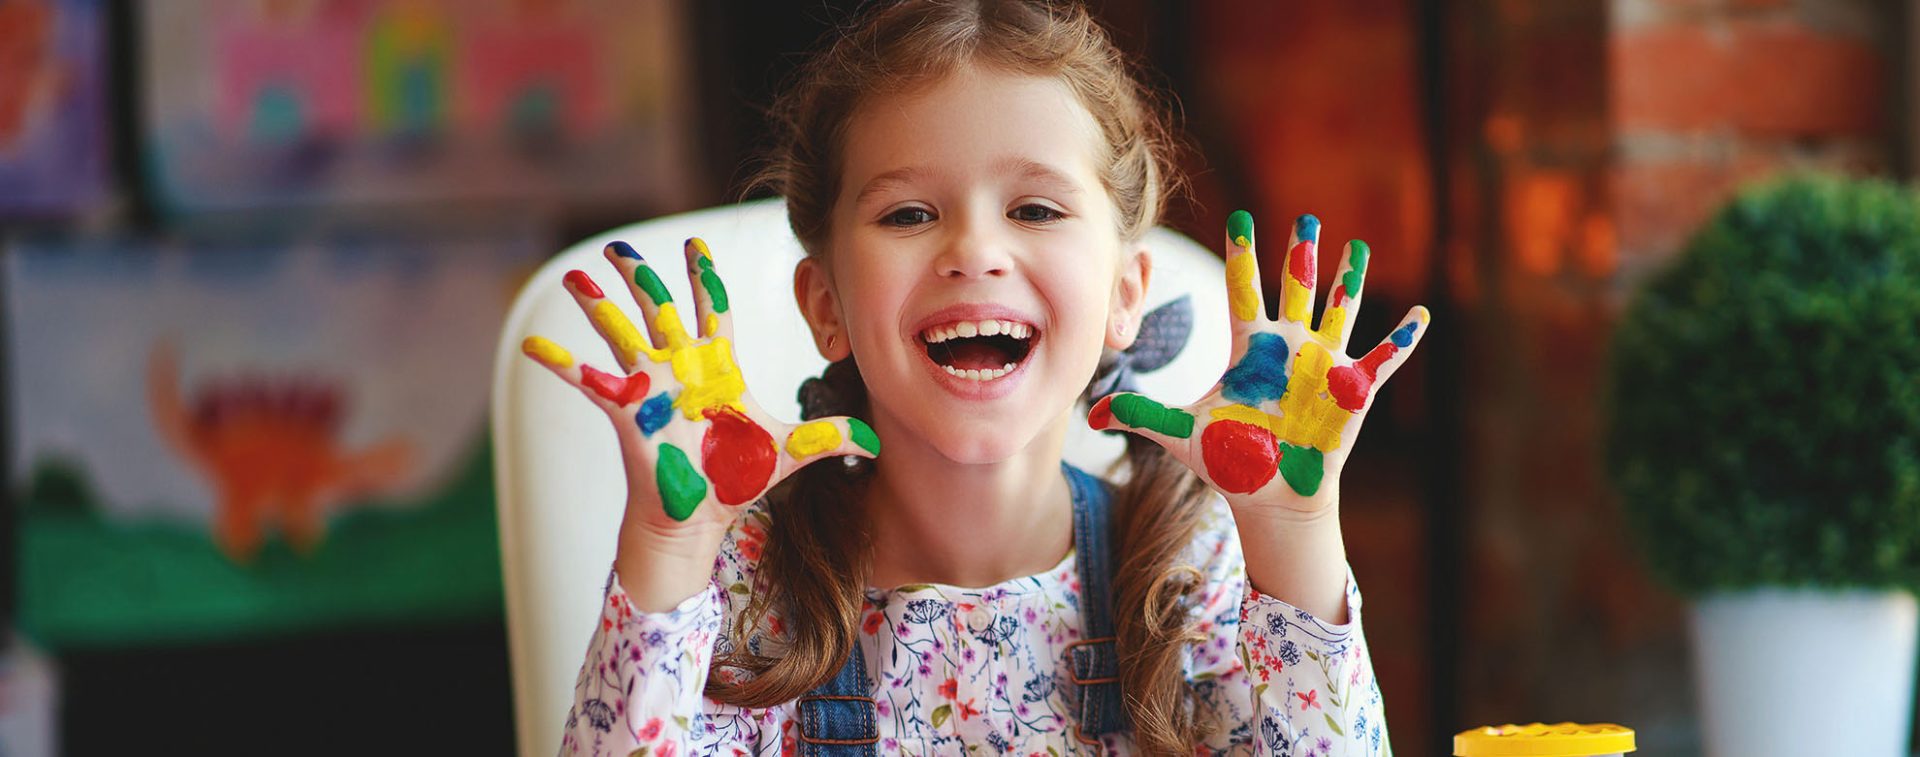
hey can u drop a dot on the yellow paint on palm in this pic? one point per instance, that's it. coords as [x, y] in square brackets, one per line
[1245, 302]
[700, 246]
[1310, 417]
[709, 379]
[544, 350]
[1248, 415]
[813, 438]
[713, 324]
[1295, 296]
[620, 333]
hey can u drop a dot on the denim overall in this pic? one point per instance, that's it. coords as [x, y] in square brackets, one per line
[837, 719]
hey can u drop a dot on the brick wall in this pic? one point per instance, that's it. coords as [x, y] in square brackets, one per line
[1708, 94]
[1594, 136]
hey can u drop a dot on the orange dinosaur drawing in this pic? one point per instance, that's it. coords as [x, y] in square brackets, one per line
[271, 452]
[28, 69]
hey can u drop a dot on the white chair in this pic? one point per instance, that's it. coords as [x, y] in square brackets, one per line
[556, 463]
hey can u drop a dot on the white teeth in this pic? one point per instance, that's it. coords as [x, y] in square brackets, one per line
[975, 374]
[940, 334]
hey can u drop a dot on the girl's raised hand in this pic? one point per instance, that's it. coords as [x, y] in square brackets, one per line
[694, 444]
[1277, 428]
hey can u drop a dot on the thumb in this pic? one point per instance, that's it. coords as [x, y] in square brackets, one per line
[1170, 427]
[834, 436]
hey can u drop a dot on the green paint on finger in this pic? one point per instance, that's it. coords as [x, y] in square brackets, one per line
[863, 435]
[1140, 412]
[716, 291]
[1240, 228]
[651, 284]
[681, 487]
[1302, 467]
[1358, 260]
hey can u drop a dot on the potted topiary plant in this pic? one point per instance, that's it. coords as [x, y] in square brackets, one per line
[1764, 436]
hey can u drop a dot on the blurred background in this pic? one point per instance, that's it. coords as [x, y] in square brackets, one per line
[256, 255]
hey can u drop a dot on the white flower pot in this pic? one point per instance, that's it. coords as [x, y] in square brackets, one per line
[1805, 672]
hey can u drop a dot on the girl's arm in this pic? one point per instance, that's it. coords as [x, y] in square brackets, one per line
[696, 449]
[1313, 685]
[1276, 678]
[641, 683]
[1273, 436]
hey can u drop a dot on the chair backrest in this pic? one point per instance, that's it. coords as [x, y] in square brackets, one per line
[556, 462]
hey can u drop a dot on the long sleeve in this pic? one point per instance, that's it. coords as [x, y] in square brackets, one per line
[1313, 685]
[644, 673]
[1276, 679]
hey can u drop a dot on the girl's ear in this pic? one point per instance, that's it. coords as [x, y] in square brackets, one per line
[1129, 299]
[813, 292]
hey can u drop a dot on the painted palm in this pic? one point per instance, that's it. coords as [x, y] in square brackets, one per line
[690, 435]
[1280, 423]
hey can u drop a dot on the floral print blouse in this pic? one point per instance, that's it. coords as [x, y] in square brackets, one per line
[979, 670]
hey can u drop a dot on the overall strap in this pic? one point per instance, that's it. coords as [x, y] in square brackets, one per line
[837, 718]
[1095, 663]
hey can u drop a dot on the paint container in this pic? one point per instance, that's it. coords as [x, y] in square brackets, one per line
[1542, 740]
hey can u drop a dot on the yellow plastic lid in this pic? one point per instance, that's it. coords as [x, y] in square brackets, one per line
[1542, 740]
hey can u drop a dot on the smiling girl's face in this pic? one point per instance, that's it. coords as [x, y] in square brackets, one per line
[976, 264]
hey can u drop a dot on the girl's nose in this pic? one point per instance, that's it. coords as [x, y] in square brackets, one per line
[975, 249]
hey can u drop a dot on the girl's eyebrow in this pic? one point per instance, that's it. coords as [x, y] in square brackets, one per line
[1024, 168]
[1033, 170]
[886, 181]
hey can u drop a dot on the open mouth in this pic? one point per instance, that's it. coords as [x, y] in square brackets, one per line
[979, 350]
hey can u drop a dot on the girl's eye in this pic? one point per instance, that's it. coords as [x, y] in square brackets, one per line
[907, 217]
[1035, 213]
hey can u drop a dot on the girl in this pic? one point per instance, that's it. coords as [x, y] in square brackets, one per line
[971, 182]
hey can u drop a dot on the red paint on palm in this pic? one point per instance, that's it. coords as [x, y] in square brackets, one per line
[583, 284]
[738, 455]
[1338, 298]
[1300, 262]
[620, 390]
[1240, 457]
[1350, 384]
[1102, 414]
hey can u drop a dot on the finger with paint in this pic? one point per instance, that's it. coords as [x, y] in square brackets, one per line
[607, 319]
[1298, 275]
[1351, 387]
[611, 392]
[1343, 294]
[648, 291]
[710, 303]
[1244, 303]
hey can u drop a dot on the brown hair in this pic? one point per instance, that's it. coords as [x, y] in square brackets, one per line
[816, 556]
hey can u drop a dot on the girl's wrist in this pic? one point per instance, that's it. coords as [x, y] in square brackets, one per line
[1297, 558]
[659, 570]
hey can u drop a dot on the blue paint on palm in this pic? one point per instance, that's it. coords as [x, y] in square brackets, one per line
[1403, 336]
[625, 250]
[654, 413]
[1307, 229]
[1261, 374]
